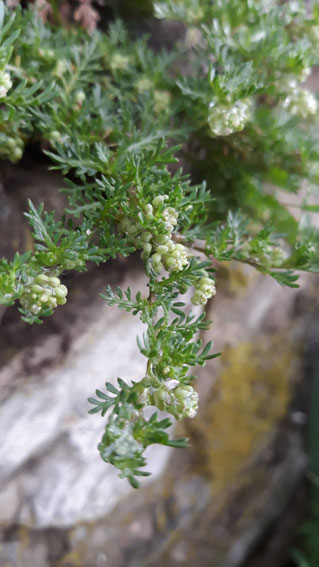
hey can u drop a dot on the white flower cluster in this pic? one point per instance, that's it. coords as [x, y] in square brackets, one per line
[119, 62]
[46, 54]
[204, 290]
[42, 293]
[5, 83]
[181, 401]
[161, 249]
[162, 101]
[123, 445]
[225, 119]
[300, 102]
[144, 84]
[186, 400]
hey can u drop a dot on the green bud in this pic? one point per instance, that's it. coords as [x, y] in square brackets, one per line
[64, 289]
[61, 300]
[160, 397]
[149, 211]
[42, 278]
[146, 236]
[80, 97]
[158, 201]
[207, 288]
[162, 239]
[205, 280]
[17, 154]
[11, 143]
[183, 391]
[170, 262]
[156, 259]
[147, 249]
[162, 249]
[37, 289]
[53, 281]
[55, 136]
[170, 245]
[58, 292]
[196, 300]
[132, 229]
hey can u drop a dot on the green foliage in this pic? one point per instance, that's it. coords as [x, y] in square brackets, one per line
[113, 116]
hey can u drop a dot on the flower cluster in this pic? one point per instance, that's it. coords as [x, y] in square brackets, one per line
[204, 290]
[163, 252]
[186, 401]
[181, 401]
[162, 101]
[268, 255]
[119, 62]
[161, 249]
[5, 83]
[300, 102]
[11, 146]
[43, 292]
[224, 120]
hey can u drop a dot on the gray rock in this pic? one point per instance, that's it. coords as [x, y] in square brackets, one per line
[50, 442]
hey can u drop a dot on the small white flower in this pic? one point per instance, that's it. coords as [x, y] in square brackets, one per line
[5, 83]
[224, 120]
[301, 102]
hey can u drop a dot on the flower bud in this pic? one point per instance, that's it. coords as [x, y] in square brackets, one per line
[54, 136]
[149, 211]
[162, 249]
[5, 83]
[80, 97]
[158, 201]
[42, 278]
[205, 280]
[58, 292]
[162, 239]
[146, 236]
[16, 154]
[156, 259]
[147, 248]
[36, 288]
[53, 281]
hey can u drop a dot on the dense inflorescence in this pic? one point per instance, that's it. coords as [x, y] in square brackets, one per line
[42, 293]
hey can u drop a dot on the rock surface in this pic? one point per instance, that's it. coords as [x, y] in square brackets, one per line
[50, 442]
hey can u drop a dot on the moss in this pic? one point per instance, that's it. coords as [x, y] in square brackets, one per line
[235, 278]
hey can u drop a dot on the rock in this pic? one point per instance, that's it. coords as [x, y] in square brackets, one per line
[14, 554]
[50, 444]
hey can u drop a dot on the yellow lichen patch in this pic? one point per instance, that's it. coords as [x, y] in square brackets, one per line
[235, 277]
[250, 397]
[72, 559]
